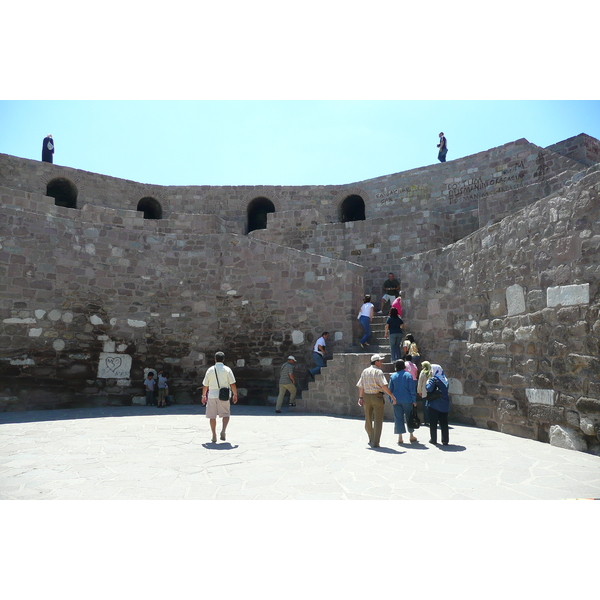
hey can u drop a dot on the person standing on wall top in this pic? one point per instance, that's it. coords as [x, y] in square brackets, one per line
[443, 146]
[47, 148]
[319, 354]
[218, 388]
[287, 382]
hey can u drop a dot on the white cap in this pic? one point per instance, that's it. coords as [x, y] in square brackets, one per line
[376, 357]
[291, 358]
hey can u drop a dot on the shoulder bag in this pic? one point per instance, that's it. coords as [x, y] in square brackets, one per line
[223, 391]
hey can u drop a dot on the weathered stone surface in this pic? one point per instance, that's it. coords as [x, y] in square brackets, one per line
[171, 291]
[588, 405]
[540, 396]
[567, 437]
[568, 295]
[587, 426]
[515, 300]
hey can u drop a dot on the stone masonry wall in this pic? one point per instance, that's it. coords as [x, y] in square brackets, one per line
[87, 303]
[582, 148]
[512, 312]
[455, 186]
[378, 245]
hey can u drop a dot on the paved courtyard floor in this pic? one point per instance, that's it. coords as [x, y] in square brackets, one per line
[125, 453]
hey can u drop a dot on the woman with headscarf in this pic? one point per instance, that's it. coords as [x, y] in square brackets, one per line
[424, 377]
[439, 404]
[47, 148]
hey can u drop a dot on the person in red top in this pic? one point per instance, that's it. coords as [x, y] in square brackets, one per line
[397, 304]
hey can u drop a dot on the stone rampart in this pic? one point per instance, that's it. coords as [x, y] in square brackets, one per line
[581, 148]
[454, 187]
[512, 313]
[498, 253]
[82, 299]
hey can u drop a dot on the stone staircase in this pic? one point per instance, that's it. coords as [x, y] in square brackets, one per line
[334, 391]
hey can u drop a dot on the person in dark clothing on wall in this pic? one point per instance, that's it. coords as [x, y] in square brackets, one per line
[47, 149]
[443, 146]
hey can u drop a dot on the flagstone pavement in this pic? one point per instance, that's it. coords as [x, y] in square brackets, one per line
[149, 453]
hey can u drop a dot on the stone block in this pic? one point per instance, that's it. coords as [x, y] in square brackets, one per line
[538, 396]
[568, 295]
[588, 405]
[114, 366]
[518, 430]
[587, 426]
[567, 437]
[461, 400]
[515, 300]
[139, 400]
[455, 386]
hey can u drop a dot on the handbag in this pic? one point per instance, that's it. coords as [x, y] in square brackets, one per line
[413, 419]
[223, 391]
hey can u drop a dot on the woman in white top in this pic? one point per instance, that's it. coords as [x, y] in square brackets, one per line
[365, 315]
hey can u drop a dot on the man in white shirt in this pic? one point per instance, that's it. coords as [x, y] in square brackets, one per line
[319, 354]
[217, 377]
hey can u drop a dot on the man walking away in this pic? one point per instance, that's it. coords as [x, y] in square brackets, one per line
[218, 377]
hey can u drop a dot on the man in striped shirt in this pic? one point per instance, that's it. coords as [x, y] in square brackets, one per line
[371, 386]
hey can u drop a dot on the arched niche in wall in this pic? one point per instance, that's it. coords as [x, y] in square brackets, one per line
[150, 207]
[63, 191]
[258, 210]
[352, 209]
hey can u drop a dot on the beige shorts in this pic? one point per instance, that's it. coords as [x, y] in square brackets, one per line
[217, 408]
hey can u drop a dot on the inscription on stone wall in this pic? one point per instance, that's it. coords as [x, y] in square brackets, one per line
[475, 188]
[390, 196]
[114, 366]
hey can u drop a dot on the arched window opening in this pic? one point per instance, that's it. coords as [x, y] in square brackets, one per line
[63, 191]
[258, 210]
[150, 207]
[352, 209]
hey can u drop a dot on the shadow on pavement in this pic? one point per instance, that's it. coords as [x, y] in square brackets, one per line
[451, 448]
[385, 450]
[219, 446]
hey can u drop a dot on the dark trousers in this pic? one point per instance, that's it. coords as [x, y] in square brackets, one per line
[442, 417]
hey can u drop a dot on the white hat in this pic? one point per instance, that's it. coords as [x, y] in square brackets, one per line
[377, 357]
[291, 358]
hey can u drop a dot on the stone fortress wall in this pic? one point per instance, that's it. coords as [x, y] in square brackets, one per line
[94, 294]
[89, 303]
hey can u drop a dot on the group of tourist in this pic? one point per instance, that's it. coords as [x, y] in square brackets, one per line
[413, 377]
[403, 388]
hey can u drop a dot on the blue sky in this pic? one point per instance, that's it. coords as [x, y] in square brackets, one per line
[322, 92]
[240, 142]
